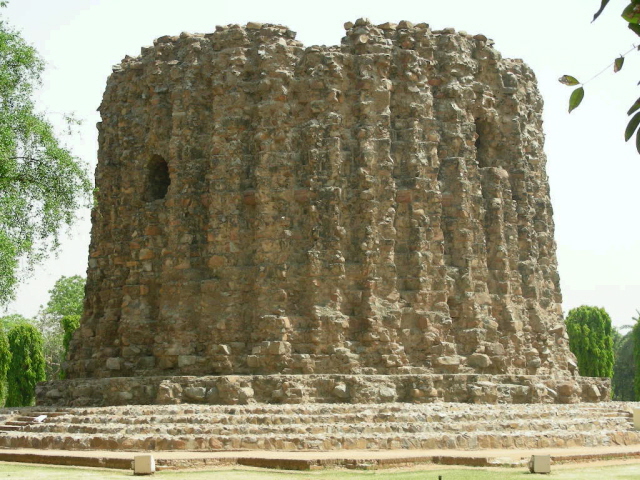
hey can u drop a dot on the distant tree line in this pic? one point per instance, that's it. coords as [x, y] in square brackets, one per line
[33, 350]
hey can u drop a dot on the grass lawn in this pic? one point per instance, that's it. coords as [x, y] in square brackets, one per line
[37, 472]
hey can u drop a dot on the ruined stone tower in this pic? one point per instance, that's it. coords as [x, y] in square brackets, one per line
[363, 221]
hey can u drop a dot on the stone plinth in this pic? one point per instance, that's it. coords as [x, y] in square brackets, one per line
[292, 389]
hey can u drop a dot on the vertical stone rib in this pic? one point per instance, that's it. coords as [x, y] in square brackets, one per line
[230, 172]
[272, 198]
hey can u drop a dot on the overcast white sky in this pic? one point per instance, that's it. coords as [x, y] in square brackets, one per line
[594, 175]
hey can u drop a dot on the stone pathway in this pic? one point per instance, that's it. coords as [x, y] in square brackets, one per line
[352, 459]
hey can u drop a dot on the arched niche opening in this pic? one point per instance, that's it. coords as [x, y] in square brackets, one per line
[158, 179]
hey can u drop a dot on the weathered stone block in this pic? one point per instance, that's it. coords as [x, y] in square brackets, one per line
[185, 360]
[340, 391]
[479, 360]
[144, 465]
[195, 393]
[113, 363]
[540, 464]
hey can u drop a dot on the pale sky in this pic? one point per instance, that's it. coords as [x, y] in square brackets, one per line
[594, 175]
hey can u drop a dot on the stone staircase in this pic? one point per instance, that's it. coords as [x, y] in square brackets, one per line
[18, 420]
[319, 427]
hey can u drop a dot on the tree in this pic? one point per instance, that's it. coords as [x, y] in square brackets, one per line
[59, 319]
[591, 340]
[42, 184]
[635, 335]
[5, 360]
[9, 321]
[70, 324]
[52, 335]
[631, 15]
[66, 297]
[26, 367]
[624, 369]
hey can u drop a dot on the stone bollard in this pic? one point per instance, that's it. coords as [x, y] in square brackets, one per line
[540, 464]
[636, 418]
[144, 465]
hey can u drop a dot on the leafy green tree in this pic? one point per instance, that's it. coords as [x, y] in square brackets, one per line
[59, 319]
[9, 321]
[42, 184]
[5, 360]
[66, 297]
[26, 367]
[635, 335]
[52, 335]
[70, 324]
[591, 340]
[624, 369]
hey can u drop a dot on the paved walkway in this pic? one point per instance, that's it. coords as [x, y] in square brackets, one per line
[315, 460]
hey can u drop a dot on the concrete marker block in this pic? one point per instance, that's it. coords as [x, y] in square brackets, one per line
[636, 418]
[144, 465]
[540, 464]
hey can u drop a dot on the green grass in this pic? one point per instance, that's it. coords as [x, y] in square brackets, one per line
[37, 472]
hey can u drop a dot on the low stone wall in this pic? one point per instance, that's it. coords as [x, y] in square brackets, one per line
[274, 389]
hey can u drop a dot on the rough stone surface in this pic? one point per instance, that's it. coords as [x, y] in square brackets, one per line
[289, 389]
[381, 426]
[375, 208]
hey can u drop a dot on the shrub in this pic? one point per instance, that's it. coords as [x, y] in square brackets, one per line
[26, 367]
[591, 340]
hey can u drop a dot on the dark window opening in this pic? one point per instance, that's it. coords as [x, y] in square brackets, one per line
[158, 179]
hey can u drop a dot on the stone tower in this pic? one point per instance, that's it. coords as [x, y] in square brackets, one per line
[371, 212]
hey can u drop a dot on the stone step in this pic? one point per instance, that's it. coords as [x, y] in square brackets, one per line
[8, 428]
[31, 418]
[249, 417]
[217, 423]
[449, 408]
[321, 426]
[21, 419]
[204, 427]
[327, 442]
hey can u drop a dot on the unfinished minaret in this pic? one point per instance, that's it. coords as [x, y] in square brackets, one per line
[363, 222]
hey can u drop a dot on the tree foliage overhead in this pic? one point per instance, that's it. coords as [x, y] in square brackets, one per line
[42, 184]
[591, 340]
[631, 15]
[26, 367]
